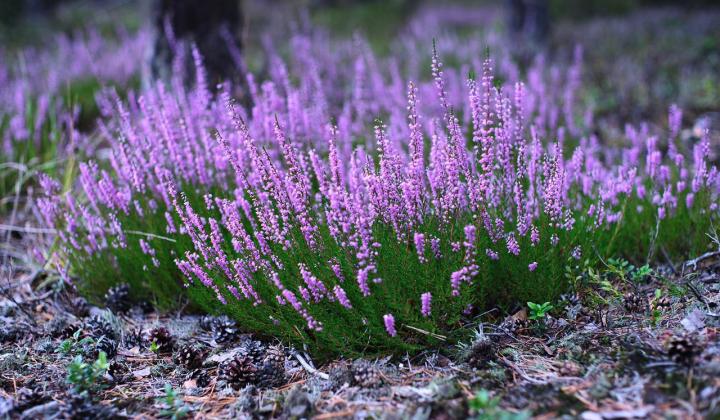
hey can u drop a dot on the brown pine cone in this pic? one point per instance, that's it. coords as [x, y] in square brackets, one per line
[239, 371]
[365, 374]
[275, 355]
[633, 302]
[118, 298]
[190, 356]
[662, 302]
[164, 342]
[683, 348]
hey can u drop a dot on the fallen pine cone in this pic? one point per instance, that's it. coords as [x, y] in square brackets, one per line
[164, 342]
[365, 374]
[190, 356]
[118, 298]
[633, 302]
[683, 348]
[239, 371]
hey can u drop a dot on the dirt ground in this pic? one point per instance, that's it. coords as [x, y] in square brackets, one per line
[617, 349]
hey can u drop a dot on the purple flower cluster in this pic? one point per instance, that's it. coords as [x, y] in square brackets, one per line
[308, 204]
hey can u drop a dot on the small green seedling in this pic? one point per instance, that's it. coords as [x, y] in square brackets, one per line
[619, 267]
[84, 376]
[173, 407]
[538, 311]
[485, 407]
[641, 273]
[74, 344]
[656, 313]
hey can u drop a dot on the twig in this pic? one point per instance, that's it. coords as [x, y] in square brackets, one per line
[309, 368]
[694, 262]
[32, 229]
[521, 373]
[667, 257]
[421, 331]
[696, 293]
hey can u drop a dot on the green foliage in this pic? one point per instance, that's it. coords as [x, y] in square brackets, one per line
[485, 407]
[173, 407]
[36, 151]
[405, 278]
[74, 344]
[538, 311]
[626, 271]
[641, 273]
[379, 20]
[655, 310]
[84, 376]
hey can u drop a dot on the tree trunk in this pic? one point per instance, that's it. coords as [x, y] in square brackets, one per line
[210, 25]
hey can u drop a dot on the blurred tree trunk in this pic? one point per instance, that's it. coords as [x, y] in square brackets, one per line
[213, 25]
[529, 18]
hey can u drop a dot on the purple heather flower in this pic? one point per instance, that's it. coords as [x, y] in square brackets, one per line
[425, 301]
[419, 240]
[576, 252]
[674, 120]
[512, 245]
[532, 266]
[342, 297]
[534, 235]
[390, 325]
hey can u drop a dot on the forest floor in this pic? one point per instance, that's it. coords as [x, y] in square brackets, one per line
[620, 348]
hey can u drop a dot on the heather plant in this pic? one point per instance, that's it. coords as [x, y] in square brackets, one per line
[350, 239]
[47, 92]
[31, 135]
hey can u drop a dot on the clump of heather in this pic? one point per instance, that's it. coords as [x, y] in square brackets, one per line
[44, 91]
[349, 238]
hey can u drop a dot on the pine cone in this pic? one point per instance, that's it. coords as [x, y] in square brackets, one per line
[97, 327]
[79, 307]
[270, 375]
[134, 338]
[62, 327]
[255, 350]
[516, 326]
[661, 303]
[633, 302]
[480, 352]
[202, 379]
[118, 298]
[239, 371]
[190, 356]
[365, 374]
[207, 322]
[683, 348]
[224, 329]
[275, 355]
[164, 342]
[569, 299]
[103, 344]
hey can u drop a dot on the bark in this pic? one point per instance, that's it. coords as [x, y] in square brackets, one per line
[210, 25]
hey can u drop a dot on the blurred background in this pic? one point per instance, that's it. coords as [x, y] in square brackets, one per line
[639, 55]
